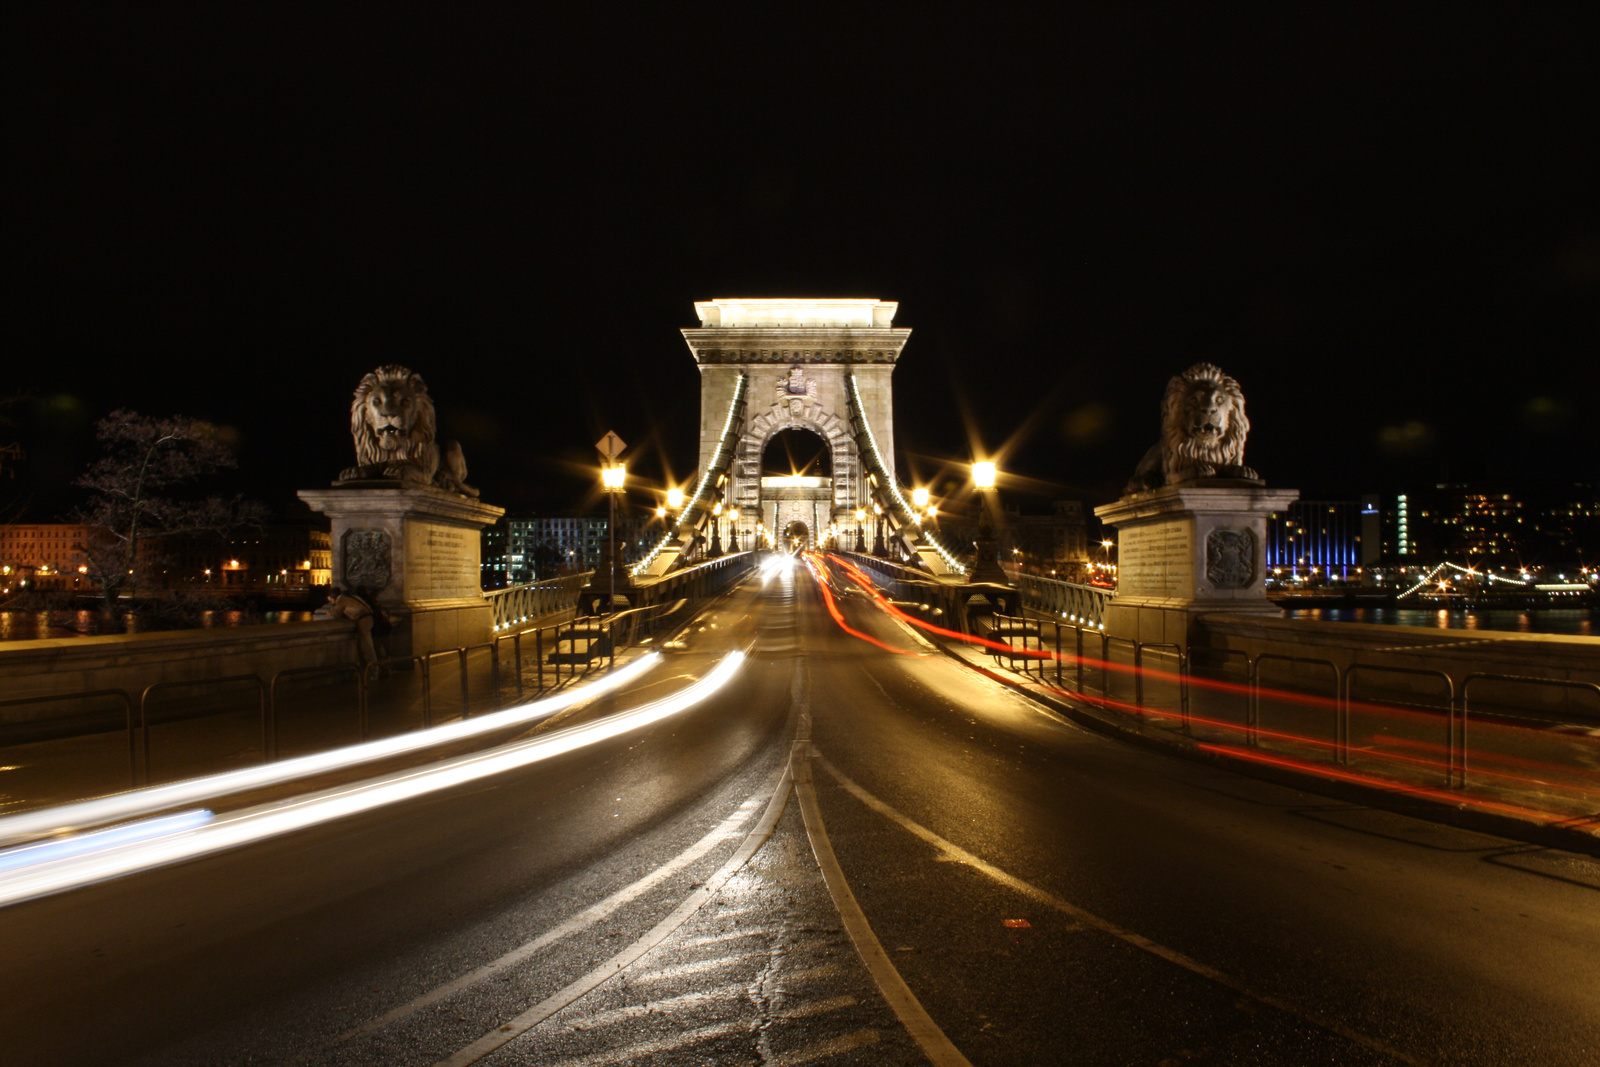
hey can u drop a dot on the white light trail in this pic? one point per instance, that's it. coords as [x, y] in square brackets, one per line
[270, 820]
[135, 803]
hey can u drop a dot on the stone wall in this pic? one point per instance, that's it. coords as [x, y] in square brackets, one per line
[1456, 653]
[132, 662]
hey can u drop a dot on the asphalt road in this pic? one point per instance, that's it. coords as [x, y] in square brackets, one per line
[1047, 895]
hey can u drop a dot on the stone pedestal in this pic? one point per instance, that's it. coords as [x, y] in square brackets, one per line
[416, 549]
[1188, 549]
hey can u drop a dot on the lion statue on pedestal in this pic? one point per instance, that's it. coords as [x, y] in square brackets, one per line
[392, 421]
[1203, 429]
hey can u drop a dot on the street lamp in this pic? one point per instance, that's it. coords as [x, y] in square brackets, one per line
[861, 542]
[733, 529]
[612, 478]
[919, 496]
[987, 568]
[877, 536]
[716, 531]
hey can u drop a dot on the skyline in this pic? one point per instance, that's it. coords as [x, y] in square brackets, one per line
[1383, 227]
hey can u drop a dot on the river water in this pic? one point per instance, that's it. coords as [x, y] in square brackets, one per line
[1583, 621]
[29, 625]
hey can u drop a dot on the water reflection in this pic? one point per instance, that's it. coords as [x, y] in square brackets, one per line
[1579, 621]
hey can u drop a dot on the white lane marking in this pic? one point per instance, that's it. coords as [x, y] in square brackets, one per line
[939, 1049]
[954, 853]
[717, 939]
[859, 1039]
[644, 1049]
[628, 956]
[602, 1019]
[576, 924]
[697, 967]
[817, 1007]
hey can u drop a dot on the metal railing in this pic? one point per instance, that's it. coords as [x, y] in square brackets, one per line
[1415, 721]
[518, 604]
[539, 658]
[1085, 604]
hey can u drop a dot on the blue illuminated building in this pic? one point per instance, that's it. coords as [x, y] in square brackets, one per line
[1315, 540]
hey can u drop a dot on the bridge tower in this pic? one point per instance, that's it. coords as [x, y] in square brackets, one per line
[787, 364]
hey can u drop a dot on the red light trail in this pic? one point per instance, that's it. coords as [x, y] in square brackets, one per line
[1381, 745]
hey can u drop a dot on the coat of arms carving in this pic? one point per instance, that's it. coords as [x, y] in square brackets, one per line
[795, 389]
[366, 559]
[1230, 557]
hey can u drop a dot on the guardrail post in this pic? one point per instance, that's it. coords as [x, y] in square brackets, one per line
[516, 654]
[144, 736]
[1079, 629]
[1057, 623]
[1183, 688]
[1252, 708]
[427, 690]
[1138, 677]
[538, 655]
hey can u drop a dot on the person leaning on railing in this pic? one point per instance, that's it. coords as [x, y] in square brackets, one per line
[360, 609]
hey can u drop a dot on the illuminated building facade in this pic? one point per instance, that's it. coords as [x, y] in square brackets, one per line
[495, 555]
[1316, 540]
[278, 557]
[542, 546]
[1508, 527]
[1056, 544]
[45, 555]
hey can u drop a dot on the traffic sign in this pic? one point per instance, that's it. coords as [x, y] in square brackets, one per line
[610, 446]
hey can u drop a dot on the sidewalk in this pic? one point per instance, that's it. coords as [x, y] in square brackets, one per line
[1524, 795]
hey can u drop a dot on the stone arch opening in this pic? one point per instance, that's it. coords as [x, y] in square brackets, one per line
[797, 450]
[796, 536]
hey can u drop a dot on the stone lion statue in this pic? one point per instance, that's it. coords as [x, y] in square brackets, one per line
[1203, 428]
[392, 421]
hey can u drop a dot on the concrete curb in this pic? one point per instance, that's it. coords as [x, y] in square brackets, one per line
[1569, 838]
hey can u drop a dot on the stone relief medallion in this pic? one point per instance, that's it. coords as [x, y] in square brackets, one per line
[366, 559]
[1230, 557]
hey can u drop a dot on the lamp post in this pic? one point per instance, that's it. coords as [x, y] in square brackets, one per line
[987, 568]
[733, 529]
[877, 536]
[716, 531]
[861, 541]
[612, 478]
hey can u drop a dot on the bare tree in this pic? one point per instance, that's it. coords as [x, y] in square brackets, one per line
[144, 458]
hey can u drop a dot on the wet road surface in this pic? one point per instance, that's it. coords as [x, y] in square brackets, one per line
[1046, 895]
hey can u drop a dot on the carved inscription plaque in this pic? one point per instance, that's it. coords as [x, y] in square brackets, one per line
[1155, 560]
[441, 562]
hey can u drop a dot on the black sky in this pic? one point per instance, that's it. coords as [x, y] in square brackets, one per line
[1386, 226]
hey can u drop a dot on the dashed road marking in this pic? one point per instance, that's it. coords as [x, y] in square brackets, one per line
[550, 1005]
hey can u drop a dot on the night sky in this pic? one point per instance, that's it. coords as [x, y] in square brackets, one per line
[1387, 227]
